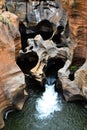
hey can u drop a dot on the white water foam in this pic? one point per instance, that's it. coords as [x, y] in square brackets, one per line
[48, 103]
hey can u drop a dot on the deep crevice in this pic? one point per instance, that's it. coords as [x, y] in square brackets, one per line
[53, 65]
[51, 72]
[44, 28]
[27, 61]
[77, 62]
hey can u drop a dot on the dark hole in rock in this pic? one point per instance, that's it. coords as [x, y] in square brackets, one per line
[77, 62]
[67, 30]
[32, 83]
[25, 34]
[44, 28]
[58, 38]
[7, 111]
[51, 72]
[27, 61]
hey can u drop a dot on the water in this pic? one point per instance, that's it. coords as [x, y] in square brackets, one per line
[48, 103]
[46, 111]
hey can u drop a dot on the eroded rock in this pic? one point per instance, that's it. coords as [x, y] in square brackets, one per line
[77, 13]
[35, 11]
[41, 51]
[46, 51]
[12, 82]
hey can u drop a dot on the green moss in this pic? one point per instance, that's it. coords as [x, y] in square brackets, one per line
[74, 68]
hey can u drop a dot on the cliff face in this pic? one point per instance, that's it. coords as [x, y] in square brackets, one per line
[77, 16]
[12, 94]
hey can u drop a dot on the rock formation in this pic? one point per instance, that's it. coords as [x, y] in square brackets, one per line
[44, 50]
[35, 11]
[40, 51]
[77, 13]
[72, 87]
[70, 79]
[12, 84]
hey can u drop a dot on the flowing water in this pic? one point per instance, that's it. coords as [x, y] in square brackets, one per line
[47, 111]
[48, 103]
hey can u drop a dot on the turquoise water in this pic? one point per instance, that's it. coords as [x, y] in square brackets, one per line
[69, 116]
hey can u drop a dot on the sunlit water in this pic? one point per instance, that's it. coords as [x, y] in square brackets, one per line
[43, 112]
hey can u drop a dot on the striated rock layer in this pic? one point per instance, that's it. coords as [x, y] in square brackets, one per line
[12, 93]
[77, 15]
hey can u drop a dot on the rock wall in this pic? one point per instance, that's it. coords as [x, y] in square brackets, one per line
[34, 11]
[12, 84]
[77, 16]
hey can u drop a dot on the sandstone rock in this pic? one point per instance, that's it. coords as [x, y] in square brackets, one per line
[2, 5]
[77, 13]
[81, 79]
[45, 50]
[11, 78]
